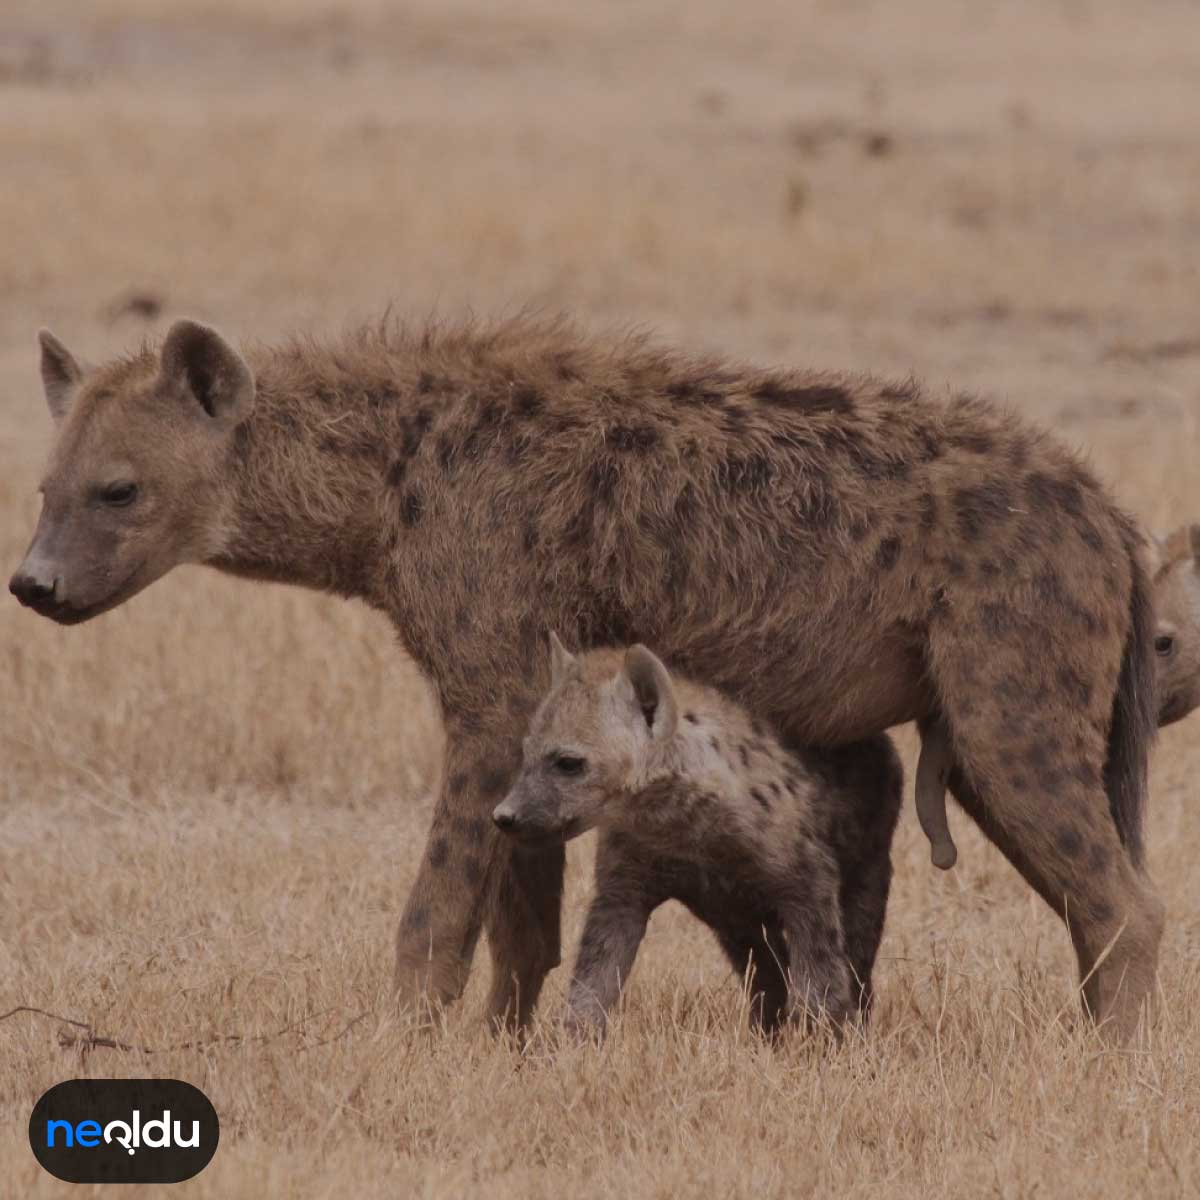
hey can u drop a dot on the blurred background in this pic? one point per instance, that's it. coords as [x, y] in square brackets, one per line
[213, 800]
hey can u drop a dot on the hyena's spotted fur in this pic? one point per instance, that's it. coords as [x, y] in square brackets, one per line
[697, 801]
[839, 553]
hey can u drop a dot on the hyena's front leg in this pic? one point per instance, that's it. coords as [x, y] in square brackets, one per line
[616, 924]
[464, 859]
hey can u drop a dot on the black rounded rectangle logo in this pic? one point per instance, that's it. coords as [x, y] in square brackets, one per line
[124, 1131]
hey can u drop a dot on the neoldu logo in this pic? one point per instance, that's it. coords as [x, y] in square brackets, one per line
[124, 1131]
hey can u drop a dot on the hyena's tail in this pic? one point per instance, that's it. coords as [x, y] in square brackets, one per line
[1135, 712]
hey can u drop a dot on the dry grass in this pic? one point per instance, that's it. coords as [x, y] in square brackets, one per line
[214, 800]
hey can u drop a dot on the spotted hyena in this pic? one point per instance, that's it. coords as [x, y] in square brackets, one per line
[839, 553]
[697, 801]
[1175, 563]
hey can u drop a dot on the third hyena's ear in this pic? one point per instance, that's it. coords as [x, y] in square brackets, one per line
[61, 374]
[210, 372]
[562, 662]
[653, 691]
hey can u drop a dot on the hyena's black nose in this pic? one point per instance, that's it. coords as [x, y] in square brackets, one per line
[32, 591]
[505, 818]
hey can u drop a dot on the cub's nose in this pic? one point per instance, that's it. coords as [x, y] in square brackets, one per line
[504, 817]
[32, 591]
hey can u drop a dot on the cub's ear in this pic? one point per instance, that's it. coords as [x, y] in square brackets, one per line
[1179, 544]
[61, 375]
[198, 360]
[653, 691]
[563, 664]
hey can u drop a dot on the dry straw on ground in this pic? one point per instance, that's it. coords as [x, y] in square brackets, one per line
[214, 799]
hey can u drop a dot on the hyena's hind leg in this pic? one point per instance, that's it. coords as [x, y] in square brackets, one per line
[1031, 759]
[867, 792]
[810, 912]
[757, 952]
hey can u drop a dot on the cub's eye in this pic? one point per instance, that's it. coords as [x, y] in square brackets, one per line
[568, 764]
[117, 495]
[1164, 644]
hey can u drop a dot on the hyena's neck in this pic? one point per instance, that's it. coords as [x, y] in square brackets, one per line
[308, 485]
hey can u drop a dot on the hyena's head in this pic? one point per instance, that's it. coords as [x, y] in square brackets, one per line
[137, 478]
[1177, 623]
[596, 738]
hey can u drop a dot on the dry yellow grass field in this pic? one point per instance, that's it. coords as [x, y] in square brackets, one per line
[215, 798]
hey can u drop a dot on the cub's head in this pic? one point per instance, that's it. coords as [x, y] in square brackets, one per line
[1177, 623]
[135, 483]
[594, 740]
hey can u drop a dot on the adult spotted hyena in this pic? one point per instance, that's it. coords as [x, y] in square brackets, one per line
[697, 801]
[840, 554]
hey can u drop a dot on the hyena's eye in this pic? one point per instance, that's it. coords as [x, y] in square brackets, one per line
[1164, 644]
[117, 495]
[568, 764]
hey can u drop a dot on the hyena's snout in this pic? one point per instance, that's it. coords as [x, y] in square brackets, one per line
[505, 816]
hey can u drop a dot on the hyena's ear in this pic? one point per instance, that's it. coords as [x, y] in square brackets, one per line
[61, 374]
[198, 360]
[1178, 544]
[562, 662]
[652, 690]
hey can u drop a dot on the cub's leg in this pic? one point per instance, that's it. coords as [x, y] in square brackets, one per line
[759, 949]
[616, 923]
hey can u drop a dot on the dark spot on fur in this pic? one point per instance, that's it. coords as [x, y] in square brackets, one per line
[859, 528]
[974, 441]
[447, 452]
[472, 868]
[690, 718]
[888, 553]
[760, 799]
[694, 391]
[715, 743]
[1045, 492]
[439, 851]
[1074, 684]
[734, 420]
[1101, 911]
[527, 402]
[955, 567]
[928, 507]
[632, 439]
[738, 474]
[529, 536]
[1089, 535]
[396, 472]
[411, 507]
[815, 398]
[980, 508]
[457, 783]
[1086, 774]
[1098, 858]
[425, 383]
[744, 755]
[996, 619]
[492, 781]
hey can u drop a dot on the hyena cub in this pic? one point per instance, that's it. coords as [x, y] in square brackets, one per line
[697, 801]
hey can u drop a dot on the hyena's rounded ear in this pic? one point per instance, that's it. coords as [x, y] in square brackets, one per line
[653, 691]
[209, 371]
[1177, 545]
[562, 662]
[61, 374]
